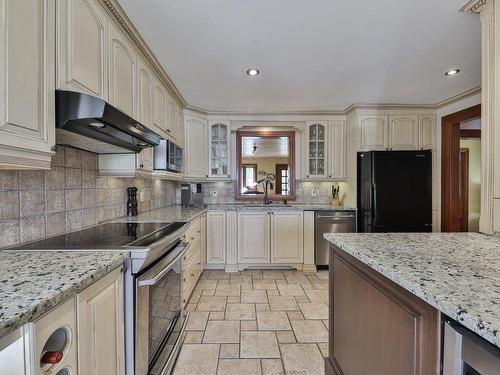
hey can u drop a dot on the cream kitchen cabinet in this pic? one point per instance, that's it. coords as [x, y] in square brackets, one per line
[196, 150]
[192, 262]
[180, 127]
[254, 237]
[122, 72]
[403, 132]
[373, 132]
[81, 47]
[27, 83]
[216, 237]
[337, 149]
[100, 312]
[287, 233]
[160, 106]
[172, 120]
[219, 150]
[316, 150]
[145, 95]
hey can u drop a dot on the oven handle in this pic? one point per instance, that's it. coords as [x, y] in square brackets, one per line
[157, 277]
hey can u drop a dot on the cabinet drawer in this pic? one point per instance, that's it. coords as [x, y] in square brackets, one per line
[193, 235]
[192, 273]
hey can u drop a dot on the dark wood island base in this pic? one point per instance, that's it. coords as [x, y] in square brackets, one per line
[376, 326]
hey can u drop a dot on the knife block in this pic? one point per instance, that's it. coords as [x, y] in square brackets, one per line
[335, 202]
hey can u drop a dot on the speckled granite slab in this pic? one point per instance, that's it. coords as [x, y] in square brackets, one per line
[167, 214]
[277, 207]
[31, 283]
[457, 273]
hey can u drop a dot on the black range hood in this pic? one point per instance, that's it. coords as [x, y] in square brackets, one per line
[89, 123]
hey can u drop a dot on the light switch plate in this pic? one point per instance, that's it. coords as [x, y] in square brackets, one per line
[141, 196]
[214, 193]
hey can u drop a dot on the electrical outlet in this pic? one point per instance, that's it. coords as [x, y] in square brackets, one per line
[214, 193]
[141, 196]
[314, 193]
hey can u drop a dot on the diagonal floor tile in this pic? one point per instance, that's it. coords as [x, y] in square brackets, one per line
[317, 295]
[239, 367]
[253, 296]
[314, 310]
[240, 311]
[283, 303]
[197, 321]
[309, 330]
[208, 303]
[291, 290]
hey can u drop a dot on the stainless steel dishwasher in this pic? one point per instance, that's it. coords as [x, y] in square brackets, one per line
[335, 221]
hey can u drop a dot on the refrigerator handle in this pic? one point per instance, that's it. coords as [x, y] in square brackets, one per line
[374, 204]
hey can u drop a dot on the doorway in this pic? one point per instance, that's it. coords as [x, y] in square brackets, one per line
[461, 170]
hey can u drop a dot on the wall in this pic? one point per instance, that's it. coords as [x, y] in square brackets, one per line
[440, 113]
[35, 204]
[474, 146]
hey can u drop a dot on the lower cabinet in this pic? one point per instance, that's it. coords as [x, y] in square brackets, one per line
[270, 237]
[101, 342]
[254, 233]
[216, 237]
[192, 263]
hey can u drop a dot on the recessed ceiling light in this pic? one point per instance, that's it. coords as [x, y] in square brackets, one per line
[452, 72]
[253, 72]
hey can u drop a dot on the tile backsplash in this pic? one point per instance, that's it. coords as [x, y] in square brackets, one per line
[71, 195]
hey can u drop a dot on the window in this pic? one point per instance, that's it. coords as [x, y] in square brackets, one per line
[282, 179]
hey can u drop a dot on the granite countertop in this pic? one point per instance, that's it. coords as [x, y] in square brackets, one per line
[457, 273]
[34, 282]
[277, 207]
[166, 214]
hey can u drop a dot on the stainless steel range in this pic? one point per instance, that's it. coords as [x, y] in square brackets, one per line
[154, 315]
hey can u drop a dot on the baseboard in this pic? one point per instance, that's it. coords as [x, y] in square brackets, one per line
[218, 266]
[332, 367]
[309, 268]
[231, 268]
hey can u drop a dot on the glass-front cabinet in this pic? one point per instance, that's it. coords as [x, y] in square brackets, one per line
[219, 133]
[316, 150]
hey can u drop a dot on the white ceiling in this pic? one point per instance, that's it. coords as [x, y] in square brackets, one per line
[313, 55]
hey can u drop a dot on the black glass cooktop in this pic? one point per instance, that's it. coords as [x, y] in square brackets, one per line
[107, 235]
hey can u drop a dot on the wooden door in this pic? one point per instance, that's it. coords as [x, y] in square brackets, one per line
[254, 237]
[464, 190]
[403, 132]
[82, 51]
[122, 73]
[101, 342]
[372, 132]
[376, 326]
[337, 158]
[216, 237]
[196, 148]
[287, 230]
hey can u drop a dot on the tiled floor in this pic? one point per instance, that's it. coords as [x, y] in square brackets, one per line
[257, 323]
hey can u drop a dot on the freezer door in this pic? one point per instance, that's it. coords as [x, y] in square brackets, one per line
[402, 190]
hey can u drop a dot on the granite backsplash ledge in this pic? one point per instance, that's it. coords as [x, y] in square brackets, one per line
[69, 196]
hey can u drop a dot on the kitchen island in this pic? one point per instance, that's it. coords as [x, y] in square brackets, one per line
[391, 291]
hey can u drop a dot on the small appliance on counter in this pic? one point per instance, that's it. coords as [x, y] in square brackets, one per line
[191, 195]
[168, 157]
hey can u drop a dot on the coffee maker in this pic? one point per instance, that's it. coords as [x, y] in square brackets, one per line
[191, 195]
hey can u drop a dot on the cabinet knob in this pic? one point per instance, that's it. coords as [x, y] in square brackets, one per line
[192, 238]
[192, 275]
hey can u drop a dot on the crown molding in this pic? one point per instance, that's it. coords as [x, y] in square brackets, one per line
[121, 19]
[473, 6]
[459, 97]
[387, 106]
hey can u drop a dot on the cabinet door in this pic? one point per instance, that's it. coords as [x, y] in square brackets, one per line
[317, 150]
[122, 72]
[180, 127]
[81, 56]
[337, 150]
[216, 237]
[172, 119]
[100, 327]
[287, 230]
[426, 131]
[403, 132]
[219, 133]
[372, 132]
[160, 106]
[145, 160]
[27, 83]
[145, 99]
[253, 237]
[196, 148]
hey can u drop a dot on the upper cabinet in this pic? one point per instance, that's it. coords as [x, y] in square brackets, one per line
[27, 83]
[337, 149]
[145, 100]
[81, 47]
[196, 151]
[122, 72]
[316, 150]
[395, 132]
[219, 135]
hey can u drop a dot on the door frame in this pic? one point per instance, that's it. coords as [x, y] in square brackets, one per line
[450, 166]
[464, 189]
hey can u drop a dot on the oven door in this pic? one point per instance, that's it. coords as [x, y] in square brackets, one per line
[160, 318]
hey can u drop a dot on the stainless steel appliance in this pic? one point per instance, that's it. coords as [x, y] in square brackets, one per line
[91, 124]
[465, 353]
[154, 316]
[334, 221]
[168, 157]
[191, 195]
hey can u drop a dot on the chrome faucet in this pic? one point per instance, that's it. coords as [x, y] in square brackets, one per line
[267, 182]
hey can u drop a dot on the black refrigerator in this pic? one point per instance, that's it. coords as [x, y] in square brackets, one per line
[395, 191]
